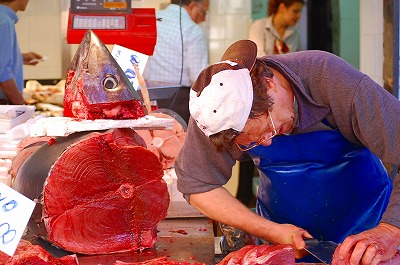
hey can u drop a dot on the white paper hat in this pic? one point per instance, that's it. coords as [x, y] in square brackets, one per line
[222, 96]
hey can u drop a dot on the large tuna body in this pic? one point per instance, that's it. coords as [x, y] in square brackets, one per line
[96, 192]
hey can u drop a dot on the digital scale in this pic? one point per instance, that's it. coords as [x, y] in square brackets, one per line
[114, 22]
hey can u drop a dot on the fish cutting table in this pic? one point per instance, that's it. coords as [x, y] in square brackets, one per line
[180, 239]
[185, 236]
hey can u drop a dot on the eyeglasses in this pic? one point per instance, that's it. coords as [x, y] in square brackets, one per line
[260, 139]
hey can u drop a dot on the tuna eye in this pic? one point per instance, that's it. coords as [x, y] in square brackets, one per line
[110, 82]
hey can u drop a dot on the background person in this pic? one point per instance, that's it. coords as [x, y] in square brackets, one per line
[277, 32]
[11, 59]
[172, 61]
[310, 122]
[181, 51]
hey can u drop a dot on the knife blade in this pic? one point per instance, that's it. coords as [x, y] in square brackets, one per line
[322, 250]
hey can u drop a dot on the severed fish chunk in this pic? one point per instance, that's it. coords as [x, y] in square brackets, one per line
[96, 86]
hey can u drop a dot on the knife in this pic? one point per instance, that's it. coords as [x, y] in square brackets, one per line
[322, 250]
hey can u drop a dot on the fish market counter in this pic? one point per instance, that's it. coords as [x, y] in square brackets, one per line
[180, 239]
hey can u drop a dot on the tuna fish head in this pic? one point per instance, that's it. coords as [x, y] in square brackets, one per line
[96, 86]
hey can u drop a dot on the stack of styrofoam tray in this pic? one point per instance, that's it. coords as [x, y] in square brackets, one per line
[7, 153]
[171, 180]
[8, 147]
[5, 176]
[13, 115]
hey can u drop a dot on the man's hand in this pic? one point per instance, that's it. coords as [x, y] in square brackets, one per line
[31, 58]
[370, 247]
[290, 234]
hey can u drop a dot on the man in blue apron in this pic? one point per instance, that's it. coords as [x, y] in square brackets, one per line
[317, 129]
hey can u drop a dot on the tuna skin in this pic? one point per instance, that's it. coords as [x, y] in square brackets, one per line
[77, 106]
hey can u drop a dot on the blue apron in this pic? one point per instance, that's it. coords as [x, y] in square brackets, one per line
[321, 182]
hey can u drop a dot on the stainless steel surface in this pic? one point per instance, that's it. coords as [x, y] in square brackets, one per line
[322, 250]
[181, 209]
[181, 239]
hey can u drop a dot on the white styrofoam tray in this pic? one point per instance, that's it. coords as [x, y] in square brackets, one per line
[13, 115]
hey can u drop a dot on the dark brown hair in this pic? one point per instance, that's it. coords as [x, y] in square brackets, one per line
[261, 103]
[273, 5]
[185, 2]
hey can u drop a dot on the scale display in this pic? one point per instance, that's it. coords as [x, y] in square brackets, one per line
[99, 22]
[114, 22]
[101, 6]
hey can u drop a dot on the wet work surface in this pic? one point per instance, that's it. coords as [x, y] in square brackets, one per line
[179, 239]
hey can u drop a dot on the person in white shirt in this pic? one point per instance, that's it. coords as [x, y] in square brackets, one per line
[181, 51]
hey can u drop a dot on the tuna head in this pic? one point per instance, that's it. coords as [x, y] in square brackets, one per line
[96, 86]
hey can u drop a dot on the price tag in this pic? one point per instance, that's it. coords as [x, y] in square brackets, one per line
[15, 212]
[126, 58]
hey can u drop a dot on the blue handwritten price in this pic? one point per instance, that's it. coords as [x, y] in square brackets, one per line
[130, 72]
[15, 211]
[126, 58]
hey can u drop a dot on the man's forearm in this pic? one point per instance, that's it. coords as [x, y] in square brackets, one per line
[10, 89]
[219, 205]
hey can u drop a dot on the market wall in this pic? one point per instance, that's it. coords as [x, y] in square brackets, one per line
[42, 28]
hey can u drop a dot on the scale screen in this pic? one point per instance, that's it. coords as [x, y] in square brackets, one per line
[99, 22]
[101, 6]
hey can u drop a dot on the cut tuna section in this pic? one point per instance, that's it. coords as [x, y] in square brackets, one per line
[261, 255]
[165, 144]
[96, 86]
[158, 261]
[99, 192]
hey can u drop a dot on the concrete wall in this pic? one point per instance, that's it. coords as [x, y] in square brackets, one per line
[371, 39]
[349, 31]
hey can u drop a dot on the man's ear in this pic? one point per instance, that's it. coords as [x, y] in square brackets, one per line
[190, 6]
[281, 7]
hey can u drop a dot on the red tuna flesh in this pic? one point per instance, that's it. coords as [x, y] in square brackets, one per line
[158, 261]
[165, 144]
[261, 255]
[28, 254]
[103, 193]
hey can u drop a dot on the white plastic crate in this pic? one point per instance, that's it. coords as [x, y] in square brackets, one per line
[13, 115]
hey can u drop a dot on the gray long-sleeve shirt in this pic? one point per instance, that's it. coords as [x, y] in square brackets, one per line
[325, 86]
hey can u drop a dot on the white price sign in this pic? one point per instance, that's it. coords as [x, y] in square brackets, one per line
[126, 58]
[15, 211]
